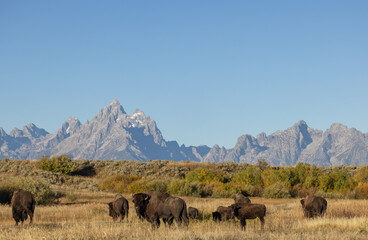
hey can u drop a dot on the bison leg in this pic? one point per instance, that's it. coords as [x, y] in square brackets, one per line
[243, 223]
[29, 212]
[178, 220]
[262, 223]
[155, 222]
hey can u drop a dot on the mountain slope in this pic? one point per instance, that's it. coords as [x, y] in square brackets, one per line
[113, 134]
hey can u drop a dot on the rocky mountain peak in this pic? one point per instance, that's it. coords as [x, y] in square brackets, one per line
[2, 132]
[32, 131]
[16, 132]
[111, 112]
[70, 126]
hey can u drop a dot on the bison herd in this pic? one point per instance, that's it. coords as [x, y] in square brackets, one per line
[153, 206]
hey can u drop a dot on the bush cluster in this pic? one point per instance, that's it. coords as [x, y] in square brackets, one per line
[61, 164]
[258, 180]
[41, 190]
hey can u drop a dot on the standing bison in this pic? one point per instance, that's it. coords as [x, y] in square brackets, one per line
[193, 212]
[216, 216]
[154, 205]
[249, 211]
[23, 204]
[119, 208]
[226, 213]
[314, 206]
[241, 198]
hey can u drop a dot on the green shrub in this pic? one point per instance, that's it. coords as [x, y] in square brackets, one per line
[204, 175]
[61, 164]
[118, 183]
[175, 186]
[277, 190]
[148, 184]
[195, 189]
[222, 190]
[41, 190]
[6, 192]
[251, 175]
[361, 191]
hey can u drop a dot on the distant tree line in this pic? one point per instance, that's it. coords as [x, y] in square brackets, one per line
[255, 180]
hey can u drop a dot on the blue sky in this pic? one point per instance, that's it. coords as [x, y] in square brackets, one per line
[205, 71]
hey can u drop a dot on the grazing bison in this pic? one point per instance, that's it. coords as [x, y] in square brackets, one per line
[23, 204]
[156, 198]
[216, 216]
[314, 206]
[226, 213]
[154, 205]
[241, 198]
[193, 212]
[249, 211]
[119, 208]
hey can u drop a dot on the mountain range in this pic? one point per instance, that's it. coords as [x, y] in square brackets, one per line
[113, 134]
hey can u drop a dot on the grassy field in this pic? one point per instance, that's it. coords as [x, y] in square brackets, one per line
[87, 218]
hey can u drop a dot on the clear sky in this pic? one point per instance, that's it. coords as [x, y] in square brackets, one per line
[205, 71]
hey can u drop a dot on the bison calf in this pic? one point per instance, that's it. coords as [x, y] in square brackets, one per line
[249, 211]
[226, 213]
[314, 206]
[216, 216]
[23, 204]
[119, 208]
[193, 212]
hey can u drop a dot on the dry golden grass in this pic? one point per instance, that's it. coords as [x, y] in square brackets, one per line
[345, 219]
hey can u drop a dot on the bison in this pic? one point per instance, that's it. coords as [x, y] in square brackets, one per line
[193, 212]
[216, 216]
[119, 208]
[314, 206]
[226, 213]
[249, 211]
[154, 205]
[241, 198]
[23, 204]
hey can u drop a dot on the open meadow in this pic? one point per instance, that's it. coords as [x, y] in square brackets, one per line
[88, 218]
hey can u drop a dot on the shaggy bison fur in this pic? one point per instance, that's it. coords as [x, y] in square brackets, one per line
[249, 211]
[193, 212]
[314, 206]
[119, 208]
[216, 216]
[226, 213]
[155, 205]
[241, 198]
[23, 205]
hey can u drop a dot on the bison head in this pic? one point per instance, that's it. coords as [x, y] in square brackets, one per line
[235, 208]
[308, 213]
[140, 201]
[112, 213]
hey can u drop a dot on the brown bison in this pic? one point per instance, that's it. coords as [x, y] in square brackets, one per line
[154, 205]
[119, 208]
[249, 211]
[193, 212]
[241, 198]
[314, 206]
[226, 213]
[23, 204]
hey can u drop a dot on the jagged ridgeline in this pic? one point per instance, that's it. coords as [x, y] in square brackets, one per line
[115, 135]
